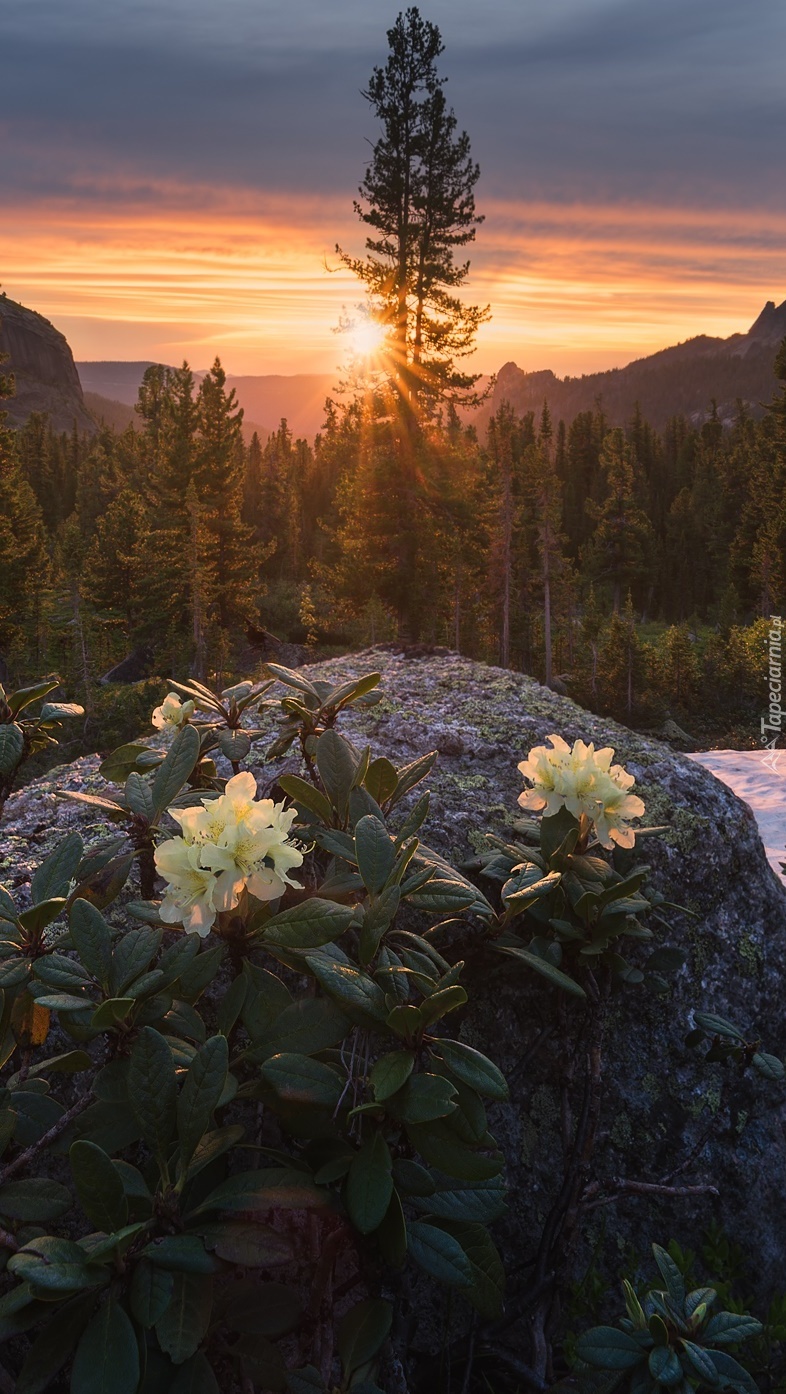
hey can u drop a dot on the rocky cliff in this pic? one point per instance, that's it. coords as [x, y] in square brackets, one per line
[44, 369]
[664, 1108]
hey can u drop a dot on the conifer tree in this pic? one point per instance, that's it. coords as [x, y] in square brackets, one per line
[218, 481]
[544, 485]
[417, 198]
[620, 549]
[22, 552]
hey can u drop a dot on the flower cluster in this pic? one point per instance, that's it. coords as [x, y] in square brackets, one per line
[584, 781]
[229, 844]
[172, 712]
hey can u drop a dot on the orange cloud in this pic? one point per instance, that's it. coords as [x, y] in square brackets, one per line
[157, 271]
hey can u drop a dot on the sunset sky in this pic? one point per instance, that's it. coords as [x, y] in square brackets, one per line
[174, 174]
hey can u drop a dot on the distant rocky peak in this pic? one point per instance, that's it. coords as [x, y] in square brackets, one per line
[770, 327]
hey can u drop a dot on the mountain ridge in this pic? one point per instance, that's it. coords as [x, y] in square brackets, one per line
[681, 379]
[739, 366]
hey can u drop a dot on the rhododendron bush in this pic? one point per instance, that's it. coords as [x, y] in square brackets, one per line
[240, 1131]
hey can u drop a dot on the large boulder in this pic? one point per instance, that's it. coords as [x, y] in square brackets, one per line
[44, 370]
[663, 1106]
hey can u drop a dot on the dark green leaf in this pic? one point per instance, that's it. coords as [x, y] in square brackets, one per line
[410, 775]
[290, 678]
[70, 1062]
[53, 1348]
[271, 1188]
[356, 993]
[131, 956]
[92, 940]
[336, 763]
[54, 875]
[248, 1244]
[152, 1088]
[348, 692]
[375, 852]
[670, 1273]
[439, 1254]
[104, 885]
[8, 910]
[441, 895]
[195, 1376]
[134, 756]
[150, 1292]
[379, 915]
[307, 1027]
[173, 774]
[203, 1087]
[482, 1203]
[201, 971]
[139, 796]
[423, 1098]
[605, 1348]
[473, 1069]
[390, 1072]
[34, 1198]
[99, 1186]
[717, 1026]
[185, 1322]
[442, 1148]
[110, 1012]
[369, 1184]
[52, 1265]
[732, 1375]
[555, 829]
[701, 1362]
[305, 794]
[769, 1066]
[180, 1253]
[12, 746]
[58, 711]
[308, 925]
[301, 1080]
[546, 970]
[362, 1331]
[234, 745]
[447, 999]
[381, 779]
[213, 1145]
[664, 1366]
[727, 1328]
[108, 1357]
[25, 696]
[488, 1286]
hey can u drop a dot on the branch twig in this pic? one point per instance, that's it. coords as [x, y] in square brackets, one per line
[19, 1163]
[645, 1188]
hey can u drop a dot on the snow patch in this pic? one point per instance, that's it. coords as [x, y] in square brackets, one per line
[758, 777]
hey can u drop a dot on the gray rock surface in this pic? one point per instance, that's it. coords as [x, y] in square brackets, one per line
[43, 366]
[662, 1103]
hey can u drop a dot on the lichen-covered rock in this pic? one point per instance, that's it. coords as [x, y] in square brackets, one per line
[662, 1103]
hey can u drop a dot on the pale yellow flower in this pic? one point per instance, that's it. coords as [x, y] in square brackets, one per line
[232, 843]
[172, 712]
[585, 782]
[193, 896]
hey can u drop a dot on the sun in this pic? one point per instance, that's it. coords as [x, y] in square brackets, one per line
[367, 338]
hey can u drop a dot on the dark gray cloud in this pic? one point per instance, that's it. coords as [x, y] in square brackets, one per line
[564, 99]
